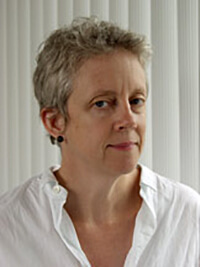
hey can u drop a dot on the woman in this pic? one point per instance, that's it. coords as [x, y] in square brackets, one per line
[100, 207]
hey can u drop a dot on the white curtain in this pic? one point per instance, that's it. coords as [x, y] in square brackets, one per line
[172, 139]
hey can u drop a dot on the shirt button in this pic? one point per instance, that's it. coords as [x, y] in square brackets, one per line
[56, 189]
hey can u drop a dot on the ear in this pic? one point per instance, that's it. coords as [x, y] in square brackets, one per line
[53, 121]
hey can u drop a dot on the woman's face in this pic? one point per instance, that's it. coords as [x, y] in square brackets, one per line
[107, 113]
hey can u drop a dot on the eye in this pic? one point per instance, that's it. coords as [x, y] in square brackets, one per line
[101, 104]
[137, 101]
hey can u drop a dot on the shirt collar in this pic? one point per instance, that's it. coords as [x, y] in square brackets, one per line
[51, 186]
[148, 190]
[147, 180]
[148, 186]
[147, 177]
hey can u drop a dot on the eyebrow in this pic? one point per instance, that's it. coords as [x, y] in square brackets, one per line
[113, 93]
[140, 91]
[103, 93]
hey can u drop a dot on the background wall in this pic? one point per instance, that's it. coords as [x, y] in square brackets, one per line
[172, 141]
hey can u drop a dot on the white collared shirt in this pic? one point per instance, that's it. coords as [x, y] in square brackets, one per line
[35, 230]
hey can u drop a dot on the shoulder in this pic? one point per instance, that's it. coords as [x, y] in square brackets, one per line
[170, 193]
[28, 198]
[17, 212]
[32, 189]
[14, 194]
[19, 196]
[24, 208]
[24, 199]
[179, 192]
[175, 217]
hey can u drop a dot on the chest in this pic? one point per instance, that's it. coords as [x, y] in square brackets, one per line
[106, 245]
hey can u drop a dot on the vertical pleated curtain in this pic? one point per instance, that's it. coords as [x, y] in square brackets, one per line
[172, 26]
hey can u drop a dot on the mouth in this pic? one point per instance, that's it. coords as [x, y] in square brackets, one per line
[125, 146]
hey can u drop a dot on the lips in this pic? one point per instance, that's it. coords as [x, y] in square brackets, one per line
[125, 146]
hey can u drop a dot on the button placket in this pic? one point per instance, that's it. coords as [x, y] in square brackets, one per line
[56, 189]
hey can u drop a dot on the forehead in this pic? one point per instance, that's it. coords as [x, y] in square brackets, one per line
[107, 71]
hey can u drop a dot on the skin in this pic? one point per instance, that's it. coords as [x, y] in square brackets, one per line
[103, 141]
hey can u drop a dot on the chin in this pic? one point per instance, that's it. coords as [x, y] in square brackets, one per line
[124, 168]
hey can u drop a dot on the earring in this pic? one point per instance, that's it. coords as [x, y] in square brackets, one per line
[60, 139]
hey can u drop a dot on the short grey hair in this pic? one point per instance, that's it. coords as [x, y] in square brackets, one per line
[67, 48]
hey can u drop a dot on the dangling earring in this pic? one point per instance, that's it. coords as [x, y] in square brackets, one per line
[60, 139]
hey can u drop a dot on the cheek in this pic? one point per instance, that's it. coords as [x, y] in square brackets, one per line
[89, 134]
[142, 124]
[144, 127]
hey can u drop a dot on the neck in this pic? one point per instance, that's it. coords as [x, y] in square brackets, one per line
[96, 198]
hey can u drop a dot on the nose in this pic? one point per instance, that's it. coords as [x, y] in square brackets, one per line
[125, 118]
